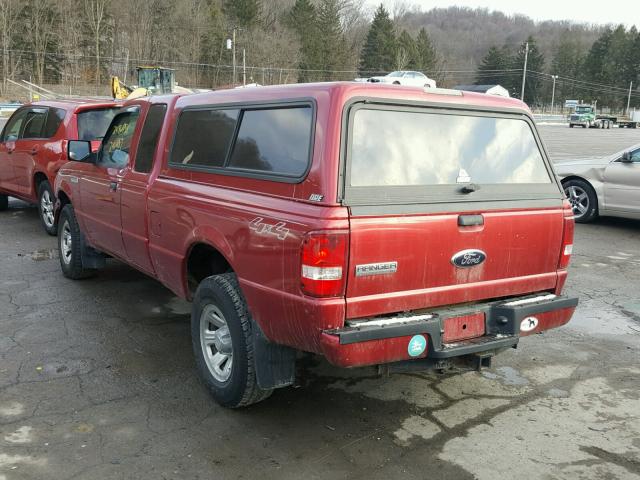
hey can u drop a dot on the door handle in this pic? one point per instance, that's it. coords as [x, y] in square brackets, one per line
[113, 186]
[470, 220]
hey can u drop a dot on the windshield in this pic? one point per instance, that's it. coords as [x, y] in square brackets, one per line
[395, 74]
[410, 148]
[583, 109]
[93, 124]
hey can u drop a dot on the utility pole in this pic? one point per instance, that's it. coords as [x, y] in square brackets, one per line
[231, 45]
[126, 67]
[234, 55]
[244, 68]
[629, 98]
[524, 70]
[553, 91]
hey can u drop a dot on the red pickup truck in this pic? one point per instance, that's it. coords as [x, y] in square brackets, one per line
[370, 224]
[33, 148]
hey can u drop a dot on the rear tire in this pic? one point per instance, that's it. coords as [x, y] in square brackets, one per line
[4, 202]
[46, 203]
[70, 246]
[571, 125]
[583, 199]
[222, 337]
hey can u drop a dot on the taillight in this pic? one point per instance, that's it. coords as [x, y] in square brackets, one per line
[324, 258]
[567, 236]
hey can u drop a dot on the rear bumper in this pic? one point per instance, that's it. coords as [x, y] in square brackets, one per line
[388, 339]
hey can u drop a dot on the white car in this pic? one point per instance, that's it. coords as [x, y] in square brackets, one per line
[405, 77]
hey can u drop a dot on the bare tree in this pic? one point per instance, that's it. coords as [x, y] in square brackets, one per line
[95, 11]
[9, 11]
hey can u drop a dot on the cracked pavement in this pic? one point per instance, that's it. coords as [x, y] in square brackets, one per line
[97, 382]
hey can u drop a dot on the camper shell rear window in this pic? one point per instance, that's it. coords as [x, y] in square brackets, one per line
[413, 154]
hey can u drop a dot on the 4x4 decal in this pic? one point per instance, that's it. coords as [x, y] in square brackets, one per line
[260, 227]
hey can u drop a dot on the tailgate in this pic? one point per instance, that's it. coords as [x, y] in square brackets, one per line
[447, 205]
[400, 263]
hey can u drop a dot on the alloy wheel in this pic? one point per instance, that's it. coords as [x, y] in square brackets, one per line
[578, 199]
[46, 207]
[66, 243]
[216, 343]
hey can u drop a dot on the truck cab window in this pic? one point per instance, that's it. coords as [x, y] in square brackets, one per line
[115, 148]
[149, 138]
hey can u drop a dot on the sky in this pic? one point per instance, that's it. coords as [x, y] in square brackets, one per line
[590, 11]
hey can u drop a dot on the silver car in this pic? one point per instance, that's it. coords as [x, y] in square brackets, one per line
[603, 186]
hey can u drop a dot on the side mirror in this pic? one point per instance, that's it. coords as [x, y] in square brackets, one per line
[626, 157]
[79, 150]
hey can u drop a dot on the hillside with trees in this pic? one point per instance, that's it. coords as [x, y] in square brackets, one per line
[74, 46]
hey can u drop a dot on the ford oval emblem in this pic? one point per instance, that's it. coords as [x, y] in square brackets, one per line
[468, 258]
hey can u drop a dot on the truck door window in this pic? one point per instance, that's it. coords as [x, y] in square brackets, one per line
[12, 130]
[114, 152]
[149, 138]
[203, 137]
[34, 123]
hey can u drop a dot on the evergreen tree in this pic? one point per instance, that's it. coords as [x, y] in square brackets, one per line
[426, 54]
[378, 54]
[303, 19]
[567, 62]
[244, 13]
[406, 52]
[331, 51]
[535, 63]
[596, 65]
[633, 60]
[491, 70]
[614, 59]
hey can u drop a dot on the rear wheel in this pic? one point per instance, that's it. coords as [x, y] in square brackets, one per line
[571, 125]
[583, 200]
[70, 246]
[4, 202]
[46, 202]
[222, 338]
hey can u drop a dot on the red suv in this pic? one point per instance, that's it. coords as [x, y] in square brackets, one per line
[371, 224]
[33, 148]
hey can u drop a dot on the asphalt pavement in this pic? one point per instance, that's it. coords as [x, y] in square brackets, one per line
[97, 382]
[564, 143]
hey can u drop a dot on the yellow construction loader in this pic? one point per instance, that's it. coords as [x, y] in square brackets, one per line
[151, 81]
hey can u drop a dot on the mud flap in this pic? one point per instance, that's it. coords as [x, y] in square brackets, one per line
[275, 364]
[91, 258]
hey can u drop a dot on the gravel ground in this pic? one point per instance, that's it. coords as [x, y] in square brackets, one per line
[97, 382]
